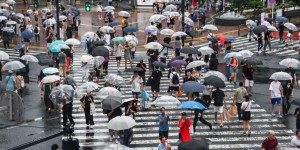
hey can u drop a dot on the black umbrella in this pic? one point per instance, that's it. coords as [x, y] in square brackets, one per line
[127, 7]
[253, 61]
[213, 39]
[111, 102]
[166, 45]
[176, 58]
[99, 43]
[260, 29]
[159, 64]
[193, 144]
[66, 12]
[100, 51]
[214, 81]
[44, 59]
[134, 69]
[189, 50]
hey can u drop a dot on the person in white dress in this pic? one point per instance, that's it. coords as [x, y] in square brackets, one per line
[29, 27]
[118, 50]
[85, 70]
[99, 10]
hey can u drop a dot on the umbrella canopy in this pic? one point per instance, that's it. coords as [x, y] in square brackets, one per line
[215, 73]
[281, 76]
[72, 41]
[27, 34]
[121, 123]
[108, 91]
[246, 53]
[176, 58]
[11, 22]
[4, 5]
[100, 51]
[260, 29]
[50, 79]
[29, 58]
[189, 50]
[57, 48]
[214, 81]
[177, 63]
[171, 13]
[233, 54]
[272, 28]
[62, 17]
[115, 23]
[179, 34]
[99, 43]
[118, 40]
[167, 45]
[281, 19]
[134, 69]
[192, 105]
[8, 29]
[194, 64]
[107, 29]
[13, 65]
[4, 55]
[213, 39]
[50, 21]
[89, 34]
[153, 45]
[250, 24]
[109, 7]
[210, 27]
[167, 32]
[74, 11]
[130, 29]
[194, 145]
[86, 58]
[206, 50]
[129, 38]
[159, 64]
[157, 17]
[50, 70]
[124, 14]
[151, 28]
[266, 23]
[61, 90]
[188, 21]
[57, 42]
[11, 2]
[19, 15]
[111, 102]
[192, 86]
[19, 46]
[290, 62]
[166, 101]
[171, 7]
[2, 18]
[290, 26]
[89, 86]
[253, 61]
[114, 79]
[98, 60]
[139, 57]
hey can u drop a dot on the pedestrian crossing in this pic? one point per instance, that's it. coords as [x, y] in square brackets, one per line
[14, 54]
[146, 131]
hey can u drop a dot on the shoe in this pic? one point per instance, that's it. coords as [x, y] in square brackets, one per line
[249, 133]
[215, 122]
[91, 127]
[279, 116]
[229, 80]
[87, 126]
[273, 114]
[250, 95]
[244, 133]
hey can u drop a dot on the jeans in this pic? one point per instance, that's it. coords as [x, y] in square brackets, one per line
[227, 59]
[286, 104]
[260, 45]
[89, 119]
[238, 105]
[67, 114]
[37, 37]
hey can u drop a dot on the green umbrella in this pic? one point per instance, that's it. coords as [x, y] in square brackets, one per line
[118, 40]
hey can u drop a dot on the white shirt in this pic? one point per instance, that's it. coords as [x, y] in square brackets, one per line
[107, 39]
[244, 105]
[29, 27]
[119, 51]
[136, 84]
[275, 88]
[99, 8]
[171, 76]
[295, 142]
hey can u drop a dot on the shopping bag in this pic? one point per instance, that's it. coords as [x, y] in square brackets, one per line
[233, 110]
[93, 109]
[191, 129]
[226, 115]
[180, 92]
[144, 95]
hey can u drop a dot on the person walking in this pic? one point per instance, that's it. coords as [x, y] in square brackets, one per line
[178, 46]
[213, 62]
[69, 80]
[246, 113]
[36, 32]
[188, 30]
[67, 111]
[20, 84]
[238, 99]
[118, 54]
[295, 142]
[290, 70]
[174, 81]
[5, 39]
[233, 69]
[85, 71]
[275, 95]
[62, 63]
[137, 85]
[99, 10]
[288, 92]
[142, 73]
[184, 128]
[199, 113]
[219, 102]
[127, 55]
[187, 78]
[130, 109]
[163, 120]
[259, 42]
[86, 102]
[10, 81]
[289, 38]
[163, 145]
[281, 30]
[270, 143]
[155, 82]
[248, 76]
[267, 41]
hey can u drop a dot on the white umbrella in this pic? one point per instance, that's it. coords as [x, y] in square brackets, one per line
[86, 58]
[11, 2]
[245, 53]
[131, 38]
[266, 23]
[50, 70]
[195, 64]
[89, 34]
[272, 28]
[171, 13]
[4, 55]
[46, 9]
[171, 7]
[187, 14]
[19, 15]
[210, 27]
[290, 26]
[157, 17]
[233, 54]
[151, 27]
[4, 5]
[114, 79]
[140, 57]
[8, 29]
[206, 50]
[11, 22]
[166, 101]
[215, 73]
[50, 79]
[89, 86]
[281, 76]
[107, 29]
[29, 58]
[290, 62]
[98, 60]
[108, 91]
[109, 7]
[121, 123]
[189, 21]
[250, 23]
[167, 32]
[153, 45]
[179, 34]
[13, 65]
[2, 18]
[72, 41]
[50, 21]
[124, 14]
[62, 17]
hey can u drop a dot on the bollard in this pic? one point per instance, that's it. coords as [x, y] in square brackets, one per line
[239, 30]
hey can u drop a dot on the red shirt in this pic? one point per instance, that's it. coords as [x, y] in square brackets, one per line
[269, 144]
[185, 130]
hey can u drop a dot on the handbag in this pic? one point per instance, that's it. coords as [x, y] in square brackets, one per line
[233, 110]
[144, 95]
[180, 92]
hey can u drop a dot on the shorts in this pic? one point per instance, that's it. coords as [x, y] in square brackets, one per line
[174, 88]
[136, 93]
[156, 89]
[276, 100]
[218, 109]
[233, 70]
[246, 115]
[118, 58]
[249, 83]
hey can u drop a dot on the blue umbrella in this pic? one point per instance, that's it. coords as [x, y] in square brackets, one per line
[75, 11]
[115, 23]
[130, 29]
[57, 42]
[192, 86]
[230, 39]
[149, 30]
[27, 34]
[282, 19]
[19, 46]
[192, 105]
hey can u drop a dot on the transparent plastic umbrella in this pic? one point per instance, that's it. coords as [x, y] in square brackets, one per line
[129, 38]
[153, 45]
[290, 26]
[215, 73]
[19, 15]
[89, 86]
[108, 91]
[233, 54]
[4, 55]
[195, 64]
[98, 60]
[167, 32]
[206, 50]
[72, 41]
[13, 65]
[140, 57]
[272, 28]
[62, 17]
[29, 58]
[124, 14]
[50, 70]
[166, 101]
[171, 7]
[114, 79]
[210, 27]
[51, 79]
[281, 76]
[86, 58]
[179, 34]
[157, 17]
[290, 62]
[245, 53]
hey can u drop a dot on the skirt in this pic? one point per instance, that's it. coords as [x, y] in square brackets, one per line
[246, 115]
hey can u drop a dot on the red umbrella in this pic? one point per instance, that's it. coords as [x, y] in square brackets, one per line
[222, 38]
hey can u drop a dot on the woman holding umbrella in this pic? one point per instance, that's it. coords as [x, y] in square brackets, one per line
[184, 128]
[233, 69]
[86, 102]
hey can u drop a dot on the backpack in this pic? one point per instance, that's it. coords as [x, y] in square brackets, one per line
[36, 30]
[175, 79]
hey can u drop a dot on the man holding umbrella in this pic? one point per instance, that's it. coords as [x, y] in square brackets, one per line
[275, 96]
[142, 73]
[199, 112]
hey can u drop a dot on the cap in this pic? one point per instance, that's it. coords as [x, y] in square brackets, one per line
[183, 114]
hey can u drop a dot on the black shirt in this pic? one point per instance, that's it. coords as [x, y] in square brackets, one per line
[290, 71]
[213, 64]
[167, 40]
[287, 91]
[281, 28]
[249, 73]
[189, 60]
[87, 101]
[296, 111]
[141, 73]
[218, 96]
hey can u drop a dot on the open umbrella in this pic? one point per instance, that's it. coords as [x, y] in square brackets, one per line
[89, 86]
[166, 101]
[192, 105]
[11, 22]
[115, 23]
[194, 145]
[281, 19]
[89, 34]
[171, 7]
[290, 62]
[253, 61]
[167, 32]
[107, 29]
[290, 26]
[114, 79]
[111, 102]
[159, 64]
[221, 37]
[134, 69]
[29, 58]
[266, 23]
[50, 79]
[260, 29]
[124, 14]
[177, 63]
[108, 91]
[74, 11]
[195, 64]
[167, 45]
[233, 54]
[215, 73]
[121, 123]
[281, 76]
[214, 81]
[4, 5]
[118, 40]
[189, 50]
[8, 29]
[171, 13]
[188, 21]
[4, 55]
[61, 90]
[245, 53]
[57, 48]
[157, 17]
[210, 27]
[13, 65]
[62, 17]
[130, 29]
[57, 42]
[139, 57]
[86, 58]
[100, 51]
[50, 21]
[175, 58]
[19, 15]
[192, 86]
[206, 50]
[11, 2]
[153, 45]
[72, 41]
[19, 46]
[272, 28]
[2, 18]
[27, 34]
[98, 60]
[50, 70]
[151, 28]
[109, 7]
[179, 34]
[250, 23]
[99, 43]
[129, 38]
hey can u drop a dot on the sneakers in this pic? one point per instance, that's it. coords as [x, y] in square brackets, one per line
[279, 116]
[210, 128]
[273, 114]
[244, 133]
[221, 125]
[91, 127]
[87, 126]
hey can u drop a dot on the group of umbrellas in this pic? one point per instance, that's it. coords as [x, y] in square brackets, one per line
[16, 65]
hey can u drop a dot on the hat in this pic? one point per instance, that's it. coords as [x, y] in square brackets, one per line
[9, 71]
[183, 114]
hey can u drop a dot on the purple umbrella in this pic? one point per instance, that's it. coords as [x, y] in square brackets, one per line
[177, 63]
